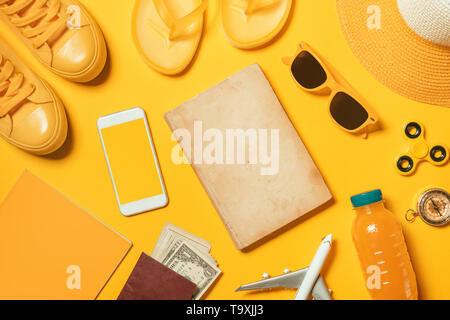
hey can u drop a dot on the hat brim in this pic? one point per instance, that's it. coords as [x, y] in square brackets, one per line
[394, 54]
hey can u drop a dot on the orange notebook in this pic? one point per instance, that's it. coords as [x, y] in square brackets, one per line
[50, 248]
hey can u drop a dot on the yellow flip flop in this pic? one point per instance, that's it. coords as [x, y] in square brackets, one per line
[252, 23]
[167, 32]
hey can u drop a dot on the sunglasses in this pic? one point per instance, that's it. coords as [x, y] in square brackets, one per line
[347, 109]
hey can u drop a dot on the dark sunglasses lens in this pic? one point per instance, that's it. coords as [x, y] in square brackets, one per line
[307, 71]
[348, 112]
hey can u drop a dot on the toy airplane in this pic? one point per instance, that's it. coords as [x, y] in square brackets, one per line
[307, 281]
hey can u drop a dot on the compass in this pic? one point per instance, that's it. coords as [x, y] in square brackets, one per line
[433, 206]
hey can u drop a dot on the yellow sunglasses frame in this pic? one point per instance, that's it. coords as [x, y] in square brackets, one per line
[333, 87]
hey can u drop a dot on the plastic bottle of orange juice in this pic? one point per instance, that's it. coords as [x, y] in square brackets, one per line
[382, 250]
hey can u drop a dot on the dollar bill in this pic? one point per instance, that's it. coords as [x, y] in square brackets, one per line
[202, 244]
[191, 263]
[170, 239]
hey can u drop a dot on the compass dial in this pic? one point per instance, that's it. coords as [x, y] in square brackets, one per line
[434, 207]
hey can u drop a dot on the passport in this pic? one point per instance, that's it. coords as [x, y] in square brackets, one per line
[151, 280]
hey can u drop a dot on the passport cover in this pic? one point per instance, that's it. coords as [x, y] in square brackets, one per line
[151, 280]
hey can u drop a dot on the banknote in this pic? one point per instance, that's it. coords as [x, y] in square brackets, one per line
[201, 242]
[170, 239]
[192, 264]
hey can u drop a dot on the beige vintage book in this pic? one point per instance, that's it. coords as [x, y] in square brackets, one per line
[248, 156]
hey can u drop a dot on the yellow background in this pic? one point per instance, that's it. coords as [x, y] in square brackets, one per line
[349, 164]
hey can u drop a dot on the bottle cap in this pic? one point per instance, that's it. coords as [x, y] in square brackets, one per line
[367, 198]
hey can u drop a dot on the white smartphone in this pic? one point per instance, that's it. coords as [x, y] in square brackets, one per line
[132, 161]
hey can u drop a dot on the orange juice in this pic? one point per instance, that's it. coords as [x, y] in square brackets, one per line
[382, 250]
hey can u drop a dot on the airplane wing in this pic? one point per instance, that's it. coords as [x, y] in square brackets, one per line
[291, 280]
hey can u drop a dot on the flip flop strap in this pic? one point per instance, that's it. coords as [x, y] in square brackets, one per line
[255, 5]
[178, 25]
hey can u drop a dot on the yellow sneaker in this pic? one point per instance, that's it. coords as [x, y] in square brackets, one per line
[60, 33]
[31, 115]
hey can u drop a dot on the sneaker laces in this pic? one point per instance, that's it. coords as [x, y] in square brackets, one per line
[39, 20]
[13, 91]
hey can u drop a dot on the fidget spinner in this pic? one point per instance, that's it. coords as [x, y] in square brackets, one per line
[419, 150]
[433, 207]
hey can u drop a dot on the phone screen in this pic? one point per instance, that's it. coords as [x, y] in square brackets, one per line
[132, 161]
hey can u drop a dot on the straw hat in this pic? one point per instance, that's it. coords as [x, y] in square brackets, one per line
[405, 44]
